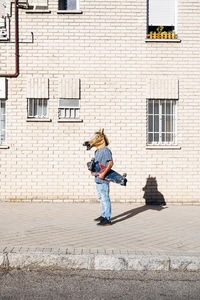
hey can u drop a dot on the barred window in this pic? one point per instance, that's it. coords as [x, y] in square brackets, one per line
[69, 109]
[68, 4]
[3, 122]
[161, 122]
[37, 108]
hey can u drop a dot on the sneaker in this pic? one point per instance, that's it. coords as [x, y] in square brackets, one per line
[99, 219]
[104, 222]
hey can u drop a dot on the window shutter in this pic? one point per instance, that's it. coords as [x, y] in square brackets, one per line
[69, 103]
[38, 3]
[161, 12]
[37, 88]
[70, 88]
[162, 88]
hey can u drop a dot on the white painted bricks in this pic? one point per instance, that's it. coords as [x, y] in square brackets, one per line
[104, 47]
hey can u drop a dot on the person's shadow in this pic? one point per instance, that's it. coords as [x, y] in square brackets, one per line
[153, 200]
[151, 194]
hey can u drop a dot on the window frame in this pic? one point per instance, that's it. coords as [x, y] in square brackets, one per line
[176, 19]
[5, 30]
[3, 143]
[69, 107]
[65, 10]
[37, 116]
[160, 132]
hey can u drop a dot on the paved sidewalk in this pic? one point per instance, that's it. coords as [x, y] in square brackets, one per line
[65, 234]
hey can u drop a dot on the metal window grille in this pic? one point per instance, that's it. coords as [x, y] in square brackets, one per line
[2, 122]
[37, 108]
[161, 122]
[68, 4]
[69, 109]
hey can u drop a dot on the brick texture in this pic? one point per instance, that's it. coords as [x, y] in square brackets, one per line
[105, 47]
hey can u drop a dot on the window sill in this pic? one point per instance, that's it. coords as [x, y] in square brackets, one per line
[163, 40]
[76, 11]
[70, 121]
[38, 120]
[4, 39]
[163, 147]
[4, 147]
[38, 11]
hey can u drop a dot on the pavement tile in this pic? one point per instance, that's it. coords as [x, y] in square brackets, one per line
[2, 249]
[8, 249]
[16, 249]
[47, 250]
[78, 251]
[109, 251]
[86, 251]
[70, 250]
[38, 249]
[94, 250]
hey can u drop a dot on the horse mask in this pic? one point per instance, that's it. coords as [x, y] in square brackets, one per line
[99, 140]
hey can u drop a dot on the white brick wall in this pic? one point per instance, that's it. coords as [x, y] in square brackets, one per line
[105, 47]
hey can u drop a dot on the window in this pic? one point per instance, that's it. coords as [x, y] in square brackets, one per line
[3, 122]
[3, 31]
[38, 4]
[37, 108]
[69, 99]
[68, 5]
[161, 119]
[69, 109]
[4, 20]
[162, 19]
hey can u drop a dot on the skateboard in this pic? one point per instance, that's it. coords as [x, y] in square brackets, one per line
[111, 176]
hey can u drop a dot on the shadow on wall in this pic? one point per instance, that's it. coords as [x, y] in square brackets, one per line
[151, 194]
[153, 200]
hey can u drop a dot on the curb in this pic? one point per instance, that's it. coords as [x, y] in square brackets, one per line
[62, 259]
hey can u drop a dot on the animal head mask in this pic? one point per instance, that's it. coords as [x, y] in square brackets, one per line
[99, 140]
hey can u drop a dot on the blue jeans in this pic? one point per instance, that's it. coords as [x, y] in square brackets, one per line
[103, 195]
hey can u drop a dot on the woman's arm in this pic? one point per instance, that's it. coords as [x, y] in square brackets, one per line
[107, 169]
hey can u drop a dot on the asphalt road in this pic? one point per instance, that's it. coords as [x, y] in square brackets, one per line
[56, 284]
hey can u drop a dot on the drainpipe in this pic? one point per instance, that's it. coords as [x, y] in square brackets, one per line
[16, 45]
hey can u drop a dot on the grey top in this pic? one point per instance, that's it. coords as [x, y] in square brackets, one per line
[102, 156]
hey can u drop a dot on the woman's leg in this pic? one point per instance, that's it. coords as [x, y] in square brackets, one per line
[105, 200]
